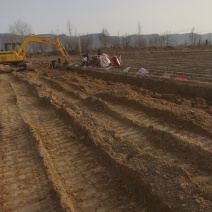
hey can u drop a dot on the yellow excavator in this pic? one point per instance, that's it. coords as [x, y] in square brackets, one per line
[15, 53]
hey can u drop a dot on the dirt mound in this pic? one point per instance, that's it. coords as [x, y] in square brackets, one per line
[162, 86]
[104, 140]
[5, 69]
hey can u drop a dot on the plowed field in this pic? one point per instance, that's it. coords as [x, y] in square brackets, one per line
[96, 140]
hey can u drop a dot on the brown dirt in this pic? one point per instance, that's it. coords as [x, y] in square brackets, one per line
[96, 140]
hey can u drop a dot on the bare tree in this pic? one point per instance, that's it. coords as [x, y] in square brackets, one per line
[53, 47]
[86, 42]
[34, 47]
[193, 37]
[167, 38]
[154, 40]
[42, 47]
[76, 42]
[72, 42]
[19, 27]
[125, 41]
[70, 39]
[57, 30]
[199, 39]
[140, 41]
[209, 40]
[104, 38]
[151, 43]
[70, 28]
[162, 40]
[116, 41]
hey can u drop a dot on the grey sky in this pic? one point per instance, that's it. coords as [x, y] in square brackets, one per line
[117, 16]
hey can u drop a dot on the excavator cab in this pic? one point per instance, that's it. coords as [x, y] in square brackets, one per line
[11, 46]
[10, 55]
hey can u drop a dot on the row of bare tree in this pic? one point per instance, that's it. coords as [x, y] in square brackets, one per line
[80, 43]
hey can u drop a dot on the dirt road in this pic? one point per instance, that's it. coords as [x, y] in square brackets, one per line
[82, 140]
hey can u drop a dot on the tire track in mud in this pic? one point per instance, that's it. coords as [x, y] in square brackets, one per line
[24, 183]
[175, 142]
[182, 139]
[74, 167]
[128, 130]
[135, 113]
[187, 148]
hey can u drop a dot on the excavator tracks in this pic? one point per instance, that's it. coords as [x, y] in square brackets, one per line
[24, 183]
[88, 144]
[72, 167]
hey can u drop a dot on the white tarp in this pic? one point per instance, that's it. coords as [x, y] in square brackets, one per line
[142, 71]
[167, 75]
[84, 59]
[126, 69]
[104, 60]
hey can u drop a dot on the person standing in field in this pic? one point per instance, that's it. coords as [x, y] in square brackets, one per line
[85, 59]
[99, 52]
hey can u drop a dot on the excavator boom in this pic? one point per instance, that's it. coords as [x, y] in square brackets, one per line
[16, 56]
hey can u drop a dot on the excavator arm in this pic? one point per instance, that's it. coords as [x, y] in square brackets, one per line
[46, 40]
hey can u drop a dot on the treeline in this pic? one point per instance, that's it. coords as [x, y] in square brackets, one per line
[77, 43]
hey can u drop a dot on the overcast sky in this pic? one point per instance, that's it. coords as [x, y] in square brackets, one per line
[117, 16]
